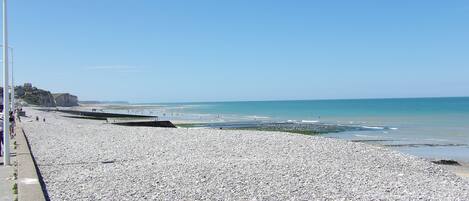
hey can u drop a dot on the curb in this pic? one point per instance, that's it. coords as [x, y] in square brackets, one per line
[29, 183]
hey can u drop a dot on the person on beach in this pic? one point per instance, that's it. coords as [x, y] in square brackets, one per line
[12, 124]
[44, 119]
[37, 118]
[1, 138]
[1, 143]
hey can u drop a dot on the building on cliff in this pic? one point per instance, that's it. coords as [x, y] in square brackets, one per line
[65, 99]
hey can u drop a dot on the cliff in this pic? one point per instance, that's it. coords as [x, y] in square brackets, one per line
[65, 99]
[34, 96]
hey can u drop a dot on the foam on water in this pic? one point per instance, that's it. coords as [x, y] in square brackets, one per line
[309, 121]
[373, 127]
[366, 136]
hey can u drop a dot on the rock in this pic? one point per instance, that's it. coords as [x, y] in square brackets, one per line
[446, 162]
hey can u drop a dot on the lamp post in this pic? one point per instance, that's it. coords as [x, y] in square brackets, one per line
[12, 90]
[6, 105]
[12, 83]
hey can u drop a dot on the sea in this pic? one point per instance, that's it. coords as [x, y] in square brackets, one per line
[433, 128]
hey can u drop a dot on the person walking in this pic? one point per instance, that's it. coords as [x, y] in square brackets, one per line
[12, 124]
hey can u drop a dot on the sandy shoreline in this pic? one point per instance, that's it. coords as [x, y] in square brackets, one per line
[462, 170]
[88, 160]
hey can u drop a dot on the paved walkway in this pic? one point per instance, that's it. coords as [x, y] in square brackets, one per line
[7, 179]
[21, 171]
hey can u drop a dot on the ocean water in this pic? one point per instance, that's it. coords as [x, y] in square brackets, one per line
[435, 128]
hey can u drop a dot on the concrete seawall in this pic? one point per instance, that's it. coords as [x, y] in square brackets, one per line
[30, 186]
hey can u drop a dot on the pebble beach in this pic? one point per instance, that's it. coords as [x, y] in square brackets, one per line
[82, 159]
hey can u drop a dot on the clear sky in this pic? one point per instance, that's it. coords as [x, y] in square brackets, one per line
[200, 50]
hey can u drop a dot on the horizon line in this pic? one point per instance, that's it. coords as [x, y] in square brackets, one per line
[280, 100]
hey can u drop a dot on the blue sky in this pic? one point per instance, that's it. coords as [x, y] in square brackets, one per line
[164, 51]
